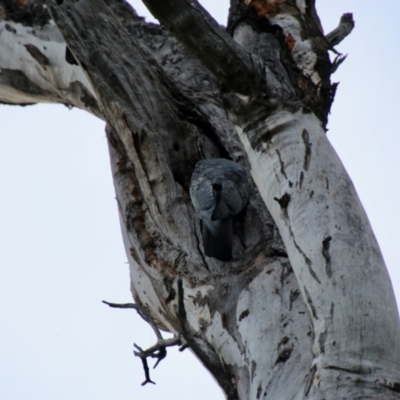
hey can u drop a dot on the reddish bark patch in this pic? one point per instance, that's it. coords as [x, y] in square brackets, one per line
[266, 8]
[303, 82]
[22, 3]
[29, 13]
[289, 39]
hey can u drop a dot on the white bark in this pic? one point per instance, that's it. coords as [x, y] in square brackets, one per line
[33, 69]
[302, 52]
[268, 310]
[333, 251]
[330, 243]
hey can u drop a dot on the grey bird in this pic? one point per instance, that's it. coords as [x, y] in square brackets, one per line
[219, 190]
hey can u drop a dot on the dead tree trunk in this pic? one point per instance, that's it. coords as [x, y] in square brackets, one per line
[306, 308]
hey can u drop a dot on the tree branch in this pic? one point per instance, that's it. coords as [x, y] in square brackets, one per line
[31, 63]
[157, 351]
[195, 28]
[142, 312]
[344, 29]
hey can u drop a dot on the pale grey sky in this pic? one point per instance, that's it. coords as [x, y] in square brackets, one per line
[61, 248]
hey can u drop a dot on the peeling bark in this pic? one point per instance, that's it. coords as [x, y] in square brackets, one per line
[298, 312]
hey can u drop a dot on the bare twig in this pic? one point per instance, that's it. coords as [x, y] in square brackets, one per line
[337, 61]
[146, 372]
[142, 312]
[157, 351]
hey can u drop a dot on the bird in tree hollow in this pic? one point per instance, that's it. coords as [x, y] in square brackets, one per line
[219, 190]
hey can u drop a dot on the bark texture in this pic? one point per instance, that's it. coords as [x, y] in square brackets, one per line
[298, 311]
[32, 61]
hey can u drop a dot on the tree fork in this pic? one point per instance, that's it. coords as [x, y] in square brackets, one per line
[164, 115]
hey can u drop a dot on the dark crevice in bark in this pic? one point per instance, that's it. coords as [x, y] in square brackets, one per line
[10, 29]
[393, 386]
[306, 259]
[283, 201]
[198, 240]
[325, 253]
[283, 356]
[259, 390]
[322, 340]
[37, 55]
[29, 13]
[243, 314]
[310, 303]
[327, 183]
[294, 294]
[310, 379]
[301, 179]
[332, 311]
[207, 130]
[169, 286]
[69, 57]
[200, 33]
[286, 271]
[352, 371]
[307, 151]
[281, 164]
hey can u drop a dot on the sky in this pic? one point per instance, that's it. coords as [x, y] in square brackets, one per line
[61, 247]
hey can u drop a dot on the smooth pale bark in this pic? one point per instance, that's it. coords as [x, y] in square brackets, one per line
[330, 243]
[263, 331]
[333, 252]
[33, 69]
